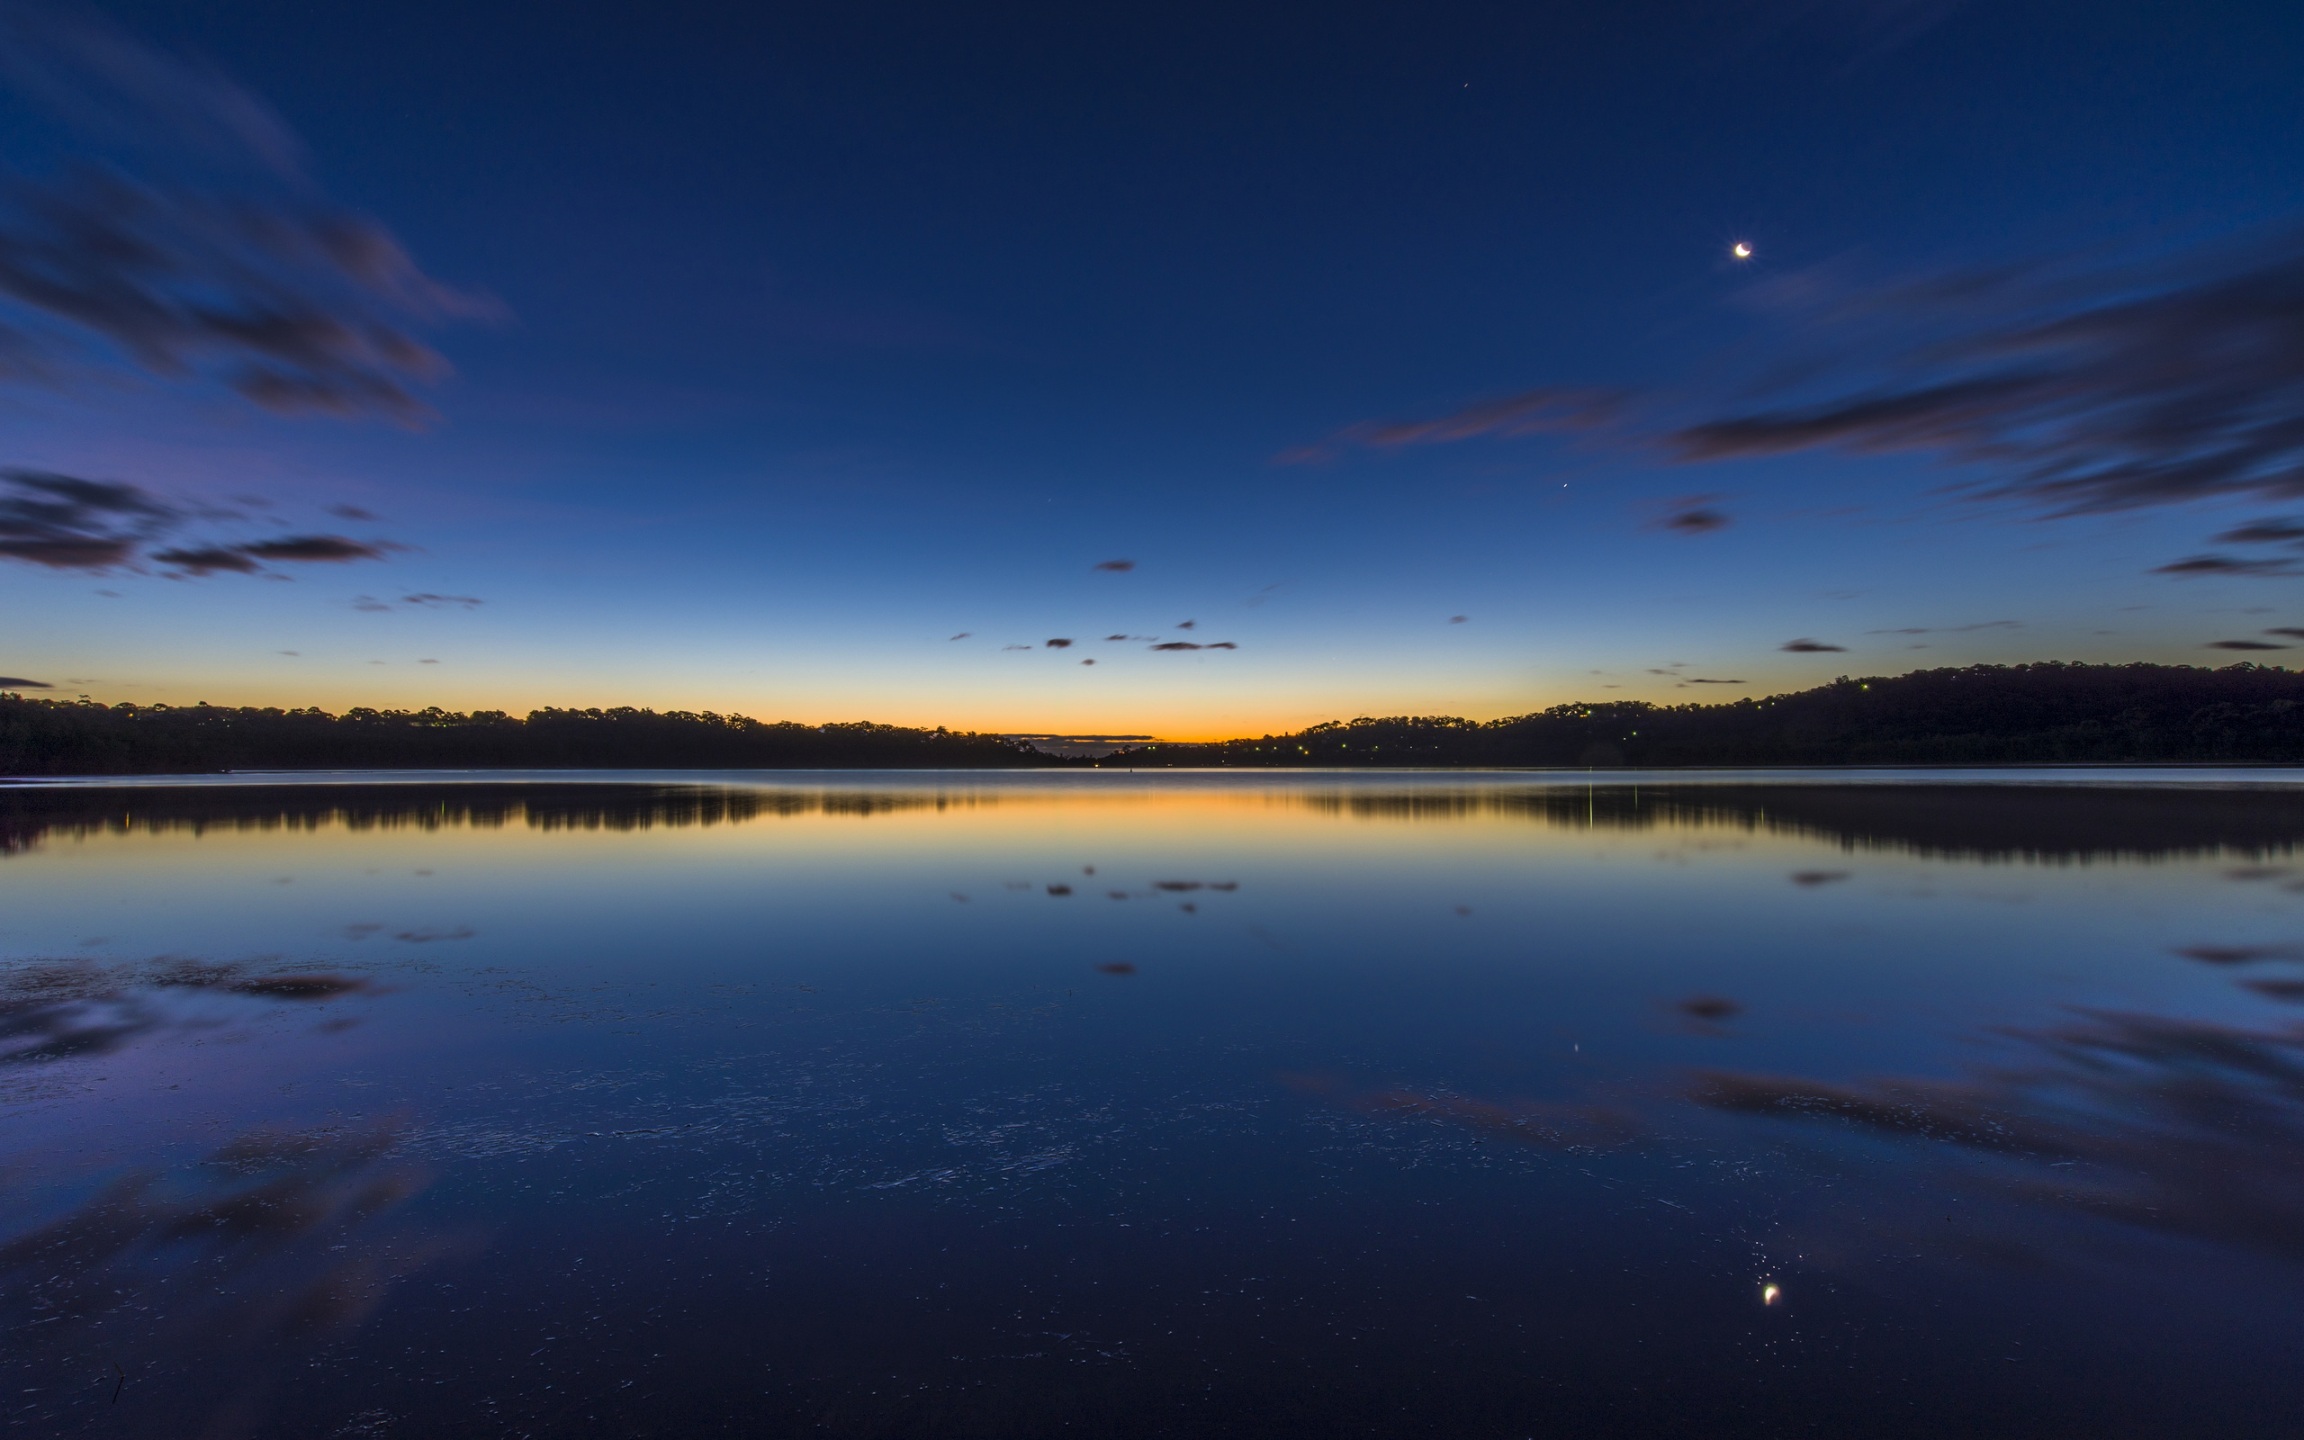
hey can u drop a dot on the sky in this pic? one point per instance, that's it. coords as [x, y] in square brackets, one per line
[834, 362]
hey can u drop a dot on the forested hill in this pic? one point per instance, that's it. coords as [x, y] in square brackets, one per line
[56, 737]
[1984, 714]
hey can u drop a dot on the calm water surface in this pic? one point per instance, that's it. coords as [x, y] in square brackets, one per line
[1099, 1105]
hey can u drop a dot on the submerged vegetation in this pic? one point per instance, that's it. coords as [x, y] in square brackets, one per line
[1982, 714]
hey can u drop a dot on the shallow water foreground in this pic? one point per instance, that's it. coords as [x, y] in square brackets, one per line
[1100, 1105]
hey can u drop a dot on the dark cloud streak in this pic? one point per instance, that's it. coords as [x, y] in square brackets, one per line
[1542, 411]
[1951, 629]
[207, 560]
[191, 244]
[246, 559]
[2227, 565]
[2268, 531]
[313, 549]
[65, 522]
[2087, 392]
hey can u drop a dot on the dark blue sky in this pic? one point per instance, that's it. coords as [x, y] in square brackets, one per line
[824, 333]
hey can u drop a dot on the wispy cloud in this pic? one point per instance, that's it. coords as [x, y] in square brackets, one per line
[248, 558]
[1694, 520]
[2077, 390]
[1951, 629]
[65, 522]
[1873, 28]
[18, 682]
[314, 549]
[1690, 515]
[207, 560]
[1549, 410]
[68, 522]
[189, 241]
[1809, 647]
[2228, 565]
[2269, 531]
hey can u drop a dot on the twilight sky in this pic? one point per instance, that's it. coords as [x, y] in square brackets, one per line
[833, 361]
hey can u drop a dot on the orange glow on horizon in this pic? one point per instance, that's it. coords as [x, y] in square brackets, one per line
[1199, 710]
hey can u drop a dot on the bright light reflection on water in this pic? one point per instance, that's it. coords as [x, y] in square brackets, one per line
[1107, 1105]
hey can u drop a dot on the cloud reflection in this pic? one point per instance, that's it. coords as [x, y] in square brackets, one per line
[59, 1010]
[2155, 1121]
[273, 1244]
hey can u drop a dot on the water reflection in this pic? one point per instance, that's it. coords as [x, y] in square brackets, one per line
[204, 1287]
[2154, 1121]
[1977, 821]
[933, 1106]
[29, 815]
[61, 1010]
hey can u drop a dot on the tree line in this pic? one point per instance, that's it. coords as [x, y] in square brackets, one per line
[1976, 715]
[59, 737]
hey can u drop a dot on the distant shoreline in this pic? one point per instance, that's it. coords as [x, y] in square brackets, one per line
[2076, 772]
[2047, 714]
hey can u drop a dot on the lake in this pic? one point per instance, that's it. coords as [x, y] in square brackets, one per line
[1110, 1104]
